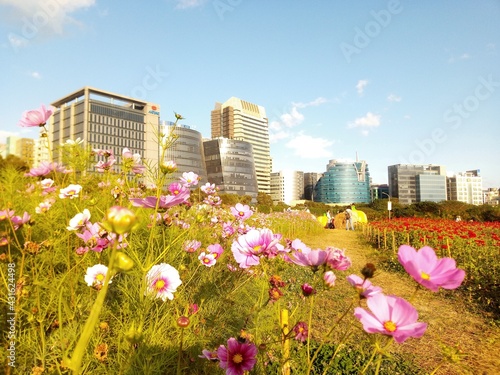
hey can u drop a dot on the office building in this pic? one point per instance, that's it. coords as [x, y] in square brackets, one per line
[106, 121]
[380, 191]
[230, 166]
[23, 148]
[417, 183]
[491, 196]
[287, 186]
[466, 187]
[240, 120]
[344, 183]
[186, 151]
[310, 180]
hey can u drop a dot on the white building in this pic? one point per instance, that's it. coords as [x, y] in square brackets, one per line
[287, 186]
[466, 187]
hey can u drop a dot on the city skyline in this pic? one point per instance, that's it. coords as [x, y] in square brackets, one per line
[396, 82]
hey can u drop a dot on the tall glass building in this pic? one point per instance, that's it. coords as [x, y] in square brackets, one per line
[344, 183]
[245, 121]
[230, 166]
[186, 151]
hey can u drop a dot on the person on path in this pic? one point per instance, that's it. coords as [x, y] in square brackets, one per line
[349, 220]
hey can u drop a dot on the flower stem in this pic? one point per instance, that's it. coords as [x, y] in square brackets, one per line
[75, 362]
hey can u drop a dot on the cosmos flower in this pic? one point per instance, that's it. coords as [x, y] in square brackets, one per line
[241, 212]
[208, 188]
[191, 246]
[392, 316]
[207, 260]
[36, 117]
[18, 221]
[429, 271]
[329, 278]
[249, 247]
[337, 259]
[70, 192]
[162, 281]
[79, 220]
[45, 168]
[301, 331]
[211, 356]
[95, 276]
[189, 179]
[363, 286]
[215, 249]
[43, 207]
[237, 357]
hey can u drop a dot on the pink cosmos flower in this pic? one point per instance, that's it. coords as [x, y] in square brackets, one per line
[207, 260]
[307, 290]
[237, 357]
[304, 256]
[43, 207]
[337, 259]
[211, 356]
[208, 188]
[4, 214]
[36, 117]
[19, 221]
[363, 286]
[162, 281]
[249, 247]
[70, 192]
[227, 229]
[191, 246]
[429, 271]
[329, 278]
[189, 179]
[392, 316]
[45, 168]
[215, 249]
[103, 166]
[4, 241]
[241, 212]
[301, 331]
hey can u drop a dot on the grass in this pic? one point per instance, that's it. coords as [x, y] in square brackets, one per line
[469, 338]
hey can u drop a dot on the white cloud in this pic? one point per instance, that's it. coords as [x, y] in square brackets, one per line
[316, 102]
[275, 137]
[465, 56]
[394, 98]
[36, 75]
[366, 122]
[308, 147]
[361, 86]
[32, 18]
[287, 120]
[186, 4]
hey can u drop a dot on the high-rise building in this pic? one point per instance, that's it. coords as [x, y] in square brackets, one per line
[23, 148]
[310, 180]
[491, 196]
[186, 150]
[344, 183]
[417, 183]
[241, 120]
[106, 121]
[41, 150]
[466, 187]
[231, 167]
[287, 186]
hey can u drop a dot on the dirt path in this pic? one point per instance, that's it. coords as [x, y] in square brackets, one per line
[450, 321]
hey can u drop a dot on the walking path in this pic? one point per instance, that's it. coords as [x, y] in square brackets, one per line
[450, 321]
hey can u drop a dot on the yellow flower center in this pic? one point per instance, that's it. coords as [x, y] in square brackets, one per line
[159, 284]
[256, 249]
[390, 326]
[206, 260]
[425, 276]
[241, 213]
[99, 277]
[237, 358]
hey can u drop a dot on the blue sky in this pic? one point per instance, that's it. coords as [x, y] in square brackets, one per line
[393, 81]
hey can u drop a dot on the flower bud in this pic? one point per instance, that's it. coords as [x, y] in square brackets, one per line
[120, 220]
[368, 270]
[134, 335]
[183, 322]
[123, 262]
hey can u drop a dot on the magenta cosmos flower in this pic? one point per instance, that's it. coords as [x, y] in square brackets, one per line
[249, 247]
[241, 211]
[36, 117]
[162, 281]
[429, 271]
[364, 286]
[304, 256]
[392, 316]
[237, 357]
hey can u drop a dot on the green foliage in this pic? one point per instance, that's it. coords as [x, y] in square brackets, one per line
[14, 162]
